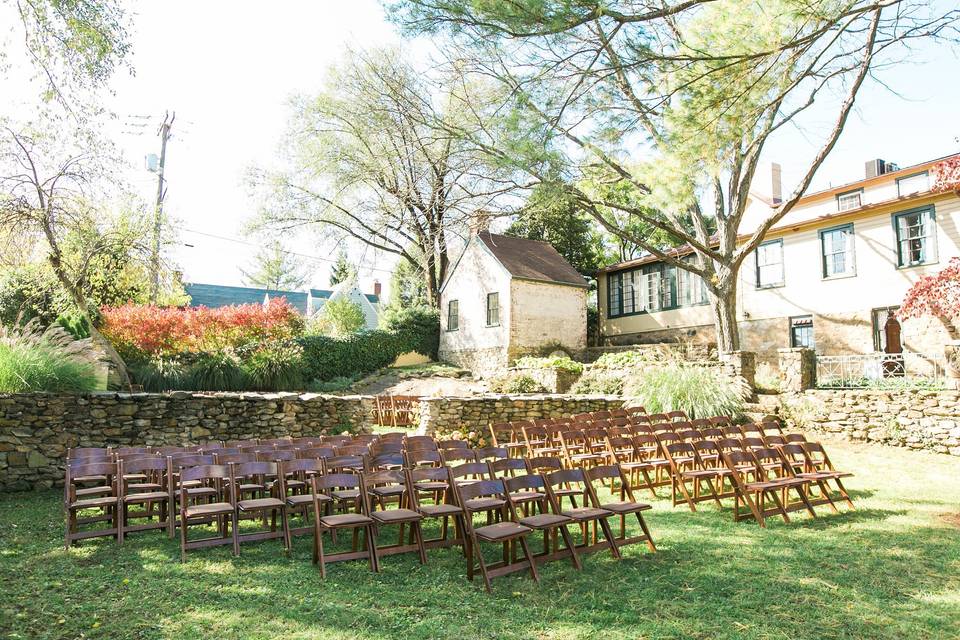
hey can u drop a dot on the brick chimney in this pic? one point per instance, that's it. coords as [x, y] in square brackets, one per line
[776, 183]
[479, 221]
[376, 288]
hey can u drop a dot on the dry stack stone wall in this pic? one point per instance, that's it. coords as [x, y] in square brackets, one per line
[37, 429]
[916, 419]
[445, 415]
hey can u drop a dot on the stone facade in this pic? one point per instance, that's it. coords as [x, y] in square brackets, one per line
[37, 429]
[916, 419]
[445, 415]
[553, 380]
[798, 369]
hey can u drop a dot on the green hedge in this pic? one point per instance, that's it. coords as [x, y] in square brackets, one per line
[410, 329]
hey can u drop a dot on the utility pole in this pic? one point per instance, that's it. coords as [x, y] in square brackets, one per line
[164, 133]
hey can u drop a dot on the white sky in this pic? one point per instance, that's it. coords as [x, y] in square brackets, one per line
[229, 69]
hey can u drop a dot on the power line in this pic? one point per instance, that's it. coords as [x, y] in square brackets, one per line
[282, 250]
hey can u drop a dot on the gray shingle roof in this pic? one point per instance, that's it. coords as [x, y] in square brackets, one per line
[218, 295]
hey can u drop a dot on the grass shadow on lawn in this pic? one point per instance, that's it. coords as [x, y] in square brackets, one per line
[890, 569]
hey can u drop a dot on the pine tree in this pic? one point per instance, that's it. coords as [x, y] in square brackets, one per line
[277, 269]
[342, 270]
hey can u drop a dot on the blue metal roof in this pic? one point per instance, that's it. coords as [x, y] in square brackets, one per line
[217, 295]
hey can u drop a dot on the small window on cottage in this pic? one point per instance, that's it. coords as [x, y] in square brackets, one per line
[848, 201]
[493, 309]
[916, 237]
[453, 315]
[801, 332]
[770, 264]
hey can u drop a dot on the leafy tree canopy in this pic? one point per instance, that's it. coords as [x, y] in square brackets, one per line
[276, 268]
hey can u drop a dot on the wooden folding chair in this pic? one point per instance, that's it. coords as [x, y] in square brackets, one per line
[548, 464]
[505, 532]
[585, 515]
[215, 508]
[547, 519]
[353, 520]
[300, 497]
[157, 494]
[821, 469]
[690, 477]
[375, 485]
[107, 504]
[486, 454]
[577, 451]
[752, 488]
[272, 505]
[436, 482]
[623, 507]
[537, 440]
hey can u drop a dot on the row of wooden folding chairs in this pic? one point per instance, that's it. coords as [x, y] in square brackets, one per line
[216, 493]
[394, 411]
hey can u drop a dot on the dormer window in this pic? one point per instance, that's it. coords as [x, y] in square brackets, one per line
[850, 200]
[917, 183]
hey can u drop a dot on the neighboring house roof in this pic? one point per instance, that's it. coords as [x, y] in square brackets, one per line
[531, 259]
[218, 295]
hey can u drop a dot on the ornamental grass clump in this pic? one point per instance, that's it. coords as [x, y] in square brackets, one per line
[37, 359]
[700, 391]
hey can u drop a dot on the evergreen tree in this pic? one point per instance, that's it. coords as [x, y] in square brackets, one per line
[277, 269]
[342, 270]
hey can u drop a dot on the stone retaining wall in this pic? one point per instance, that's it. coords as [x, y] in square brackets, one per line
[445, 415]
[37, 429]
[916, 419]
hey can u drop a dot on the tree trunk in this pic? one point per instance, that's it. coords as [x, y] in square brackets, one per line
[724, 304]
[95, 335]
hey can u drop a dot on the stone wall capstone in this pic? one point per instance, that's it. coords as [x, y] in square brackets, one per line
[908, 418]
[37, 429]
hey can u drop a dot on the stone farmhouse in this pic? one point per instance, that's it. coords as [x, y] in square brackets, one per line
[506, 297]
[826, 276]
[308, 303]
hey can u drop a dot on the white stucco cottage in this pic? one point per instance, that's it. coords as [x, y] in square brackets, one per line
[506, 297]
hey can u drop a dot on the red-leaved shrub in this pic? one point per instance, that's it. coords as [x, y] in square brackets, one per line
[937, 295]
[144, 330]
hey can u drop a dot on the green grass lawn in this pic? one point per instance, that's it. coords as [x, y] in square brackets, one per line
[891, 569]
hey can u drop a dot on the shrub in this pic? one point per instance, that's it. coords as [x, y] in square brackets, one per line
[342, 383]
[699, 391]
[559, 363]
[159, 374]
[516, 383]
[142, 331]
[32, 359]
[418, 327]
[339, 317]
[275, 367]
[216, 371]
[326, 358]
[630, 359]
[598, 381]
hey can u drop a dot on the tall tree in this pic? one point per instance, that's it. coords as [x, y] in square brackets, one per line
[49, 183]
[342, 270]
[372, 158]
[408, 287]
[659, 113]
[276, 268]
[74, 45]
[553, 216]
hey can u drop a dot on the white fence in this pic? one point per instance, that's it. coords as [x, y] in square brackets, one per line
[857, 371]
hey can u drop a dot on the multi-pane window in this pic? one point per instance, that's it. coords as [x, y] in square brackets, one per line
[848, 201]
[653, 287]
[770, 264]
[917, 183]
[916, 237]
[801, 332]
[836, 248]
[493, 309]
[453, 315]
[879, 319]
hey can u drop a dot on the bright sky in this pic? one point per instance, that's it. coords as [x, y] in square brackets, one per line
[228, 71]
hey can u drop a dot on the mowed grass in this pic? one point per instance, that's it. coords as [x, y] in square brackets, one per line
[891, 569]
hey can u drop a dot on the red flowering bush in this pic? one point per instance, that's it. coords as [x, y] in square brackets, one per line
[946, 175]
[937, 295]
[148, 331]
